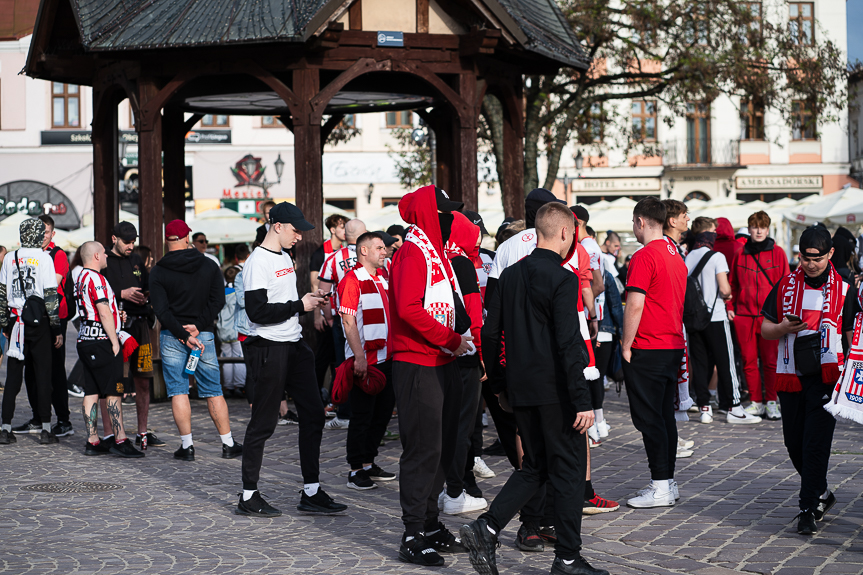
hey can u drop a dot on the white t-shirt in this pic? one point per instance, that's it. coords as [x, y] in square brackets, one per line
[37, 269]
[512, 250]
[709, 285]
[597, 262]
[276, 274]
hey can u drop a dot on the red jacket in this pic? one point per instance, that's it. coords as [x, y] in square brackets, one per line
[415, 336]
[725, 243]
[464, 235]
[749, 285]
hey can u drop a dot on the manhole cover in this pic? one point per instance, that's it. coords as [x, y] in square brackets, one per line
[72, 487]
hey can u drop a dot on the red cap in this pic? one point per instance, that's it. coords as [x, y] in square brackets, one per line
[176, 229]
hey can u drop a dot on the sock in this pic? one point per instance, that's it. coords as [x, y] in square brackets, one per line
[825, 495]
[662, 485]
[367, 467]
[187, 441]
[571, 561]
[492, 531]
[120, 441]
[46, 427]
[713, 392]
[588, 490]
[311, 489]
[97, 442]
[247, 494]
[109, 436]
[7, 427]
[599, 417]
[354, 472]
[228, 439]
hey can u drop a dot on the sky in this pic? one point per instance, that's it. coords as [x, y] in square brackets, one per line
[854, 12]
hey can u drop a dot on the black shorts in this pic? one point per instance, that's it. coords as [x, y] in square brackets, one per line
[103, 371]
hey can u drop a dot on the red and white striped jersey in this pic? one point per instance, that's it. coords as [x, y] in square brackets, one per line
[92, 288]
[365, 297]
[336, 267]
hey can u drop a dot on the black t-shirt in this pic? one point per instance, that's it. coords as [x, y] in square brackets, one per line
[126, 272]
[317, 260]
[849, 310]
[465, 275]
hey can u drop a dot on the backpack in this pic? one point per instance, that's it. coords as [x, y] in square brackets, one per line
[226, 322]
[696, 314]
[68, 292]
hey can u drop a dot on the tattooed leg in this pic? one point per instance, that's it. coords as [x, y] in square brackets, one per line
[90, 418]
[116, 415]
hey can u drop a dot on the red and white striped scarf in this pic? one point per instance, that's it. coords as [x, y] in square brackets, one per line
[590, 372]
[371, 315]
[847, 400]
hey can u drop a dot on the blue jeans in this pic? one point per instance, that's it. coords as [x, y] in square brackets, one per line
[174, 357]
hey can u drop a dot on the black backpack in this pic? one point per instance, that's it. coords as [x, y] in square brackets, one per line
[68, 292]
[696, 314]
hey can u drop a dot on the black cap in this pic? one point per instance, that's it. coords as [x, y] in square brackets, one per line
[286, 213]
[580, 213]
[396, 230]
[444, 204]
[126, 231]
[476, 220]
[388, 239]
[816, 237]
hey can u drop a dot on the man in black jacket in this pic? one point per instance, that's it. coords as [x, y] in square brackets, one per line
[544, 383]
[187, 293]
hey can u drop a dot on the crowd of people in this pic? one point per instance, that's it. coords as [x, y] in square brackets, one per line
[424, 324]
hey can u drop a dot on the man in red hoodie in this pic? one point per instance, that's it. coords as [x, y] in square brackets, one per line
[759, 266]
[428, 319]
[726, 244]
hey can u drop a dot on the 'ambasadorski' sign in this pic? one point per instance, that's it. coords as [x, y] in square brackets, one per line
[778, 182]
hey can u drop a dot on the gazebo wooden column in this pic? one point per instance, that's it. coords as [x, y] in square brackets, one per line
[105, 165]
[308, 169]
[512, 188]
[150, 168]
[464, 174]
[173, 145]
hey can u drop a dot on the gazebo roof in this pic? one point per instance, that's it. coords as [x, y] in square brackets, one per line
[107, 25]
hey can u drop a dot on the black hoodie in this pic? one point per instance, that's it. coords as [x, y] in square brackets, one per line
[186, 287]
[537, 198]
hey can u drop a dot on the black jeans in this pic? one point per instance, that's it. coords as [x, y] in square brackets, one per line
[59, 383]
[325, 354]
[470, 394]
[651, 384]
[37, 347]
[343, 411]
[429, 403]
[279, 368]
[504, 424]
[808, 432]
[553, 452]
[371, 415]
[711, 348]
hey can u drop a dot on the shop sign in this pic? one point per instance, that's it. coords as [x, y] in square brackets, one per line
[35, 199]
[778, 182]
[85, 138]
[615, 184]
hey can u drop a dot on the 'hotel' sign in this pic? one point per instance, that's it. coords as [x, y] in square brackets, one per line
[778, 182]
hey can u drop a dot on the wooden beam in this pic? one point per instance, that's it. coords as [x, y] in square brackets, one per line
[328, 128]
[106, 162]
[190, 123]
[319, 101]
[422, 16]
[150, 170]
[512, 186]
[355, 15]
[173, 145]
[464, 184]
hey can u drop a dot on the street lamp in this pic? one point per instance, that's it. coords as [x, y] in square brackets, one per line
[371, 190]
[280, 166]
[566, 181]
[579, 161]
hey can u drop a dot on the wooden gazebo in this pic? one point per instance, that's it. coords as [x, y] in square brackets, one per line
[298, 60]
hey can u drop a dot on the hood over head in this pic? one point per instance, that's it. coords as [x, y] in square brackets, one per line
[464, 235]
[844, 245]
[724, 229]
[32, 232]
[537, 198]
[420, 209]
[183, 261]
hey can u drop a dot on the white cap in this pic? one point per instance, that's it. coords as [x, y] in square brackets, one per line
[744, 231]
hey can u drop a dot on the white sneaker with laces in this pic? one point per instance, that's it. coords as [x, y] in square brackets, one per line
[480, 469]
[593, 432]
[755, 408]
[464, 503]
[773, 412]
[706, 414]
[336, 423]
[685, 443]
[654, 496]
[684, 453]
[603, 429]
[738, 415]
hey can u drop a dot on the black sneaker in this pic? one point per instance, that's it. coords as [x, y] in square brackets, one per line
[360, 480]
[290, 418]
[481, 545]
[548, 534]
[578, 567]
[152, 440]
[108, 441]
[320, 502]
[443, 540]
[235, 450]
[494, 449]
[186, 454]
[419, 551]
[806, 525]
[529, 539]
[101, 448]
[47, 438]
[31, 426]
[125, 449]
[62, 429]
[7, 437]
[824, 505]
[378, 474]
[256, 506]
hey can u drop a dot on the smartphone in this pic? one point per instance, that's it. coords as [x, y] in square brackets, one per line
[792, 318]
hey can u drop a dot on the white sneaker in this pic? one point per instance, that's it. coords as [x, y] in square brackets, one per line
[484, 419]
[480, 469]
[773, 412]
[336, 423]
[693, 409]
[755, 408]
[675, 490]
[684, 453]
[591, 442]
[685, 444]
[603, 429]
[706, 414]
[650, 496]
[464, 503]
[593, 432]
[741, 417]
[607, 383]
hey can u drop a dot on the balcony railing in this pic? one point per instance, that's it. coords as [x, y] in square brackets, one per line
[700, 152]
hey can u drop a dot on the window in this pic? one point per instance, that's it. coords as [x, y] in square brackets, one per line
[350, 121]
[644, 121]
[271, 122]
[212, 121]
[65, 105]
[345, 204]
[697, 32]
[802, 121]
[751, 119]
[399, 119]
[389, 202]
[801, 19]
[698, 133]
[752, 34]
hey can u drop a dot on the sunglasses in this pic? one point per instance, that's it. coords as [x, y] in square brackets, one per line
[202, 241]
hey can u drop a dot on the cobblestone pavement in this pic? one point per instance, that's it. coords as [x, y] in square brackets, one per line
[738, 491]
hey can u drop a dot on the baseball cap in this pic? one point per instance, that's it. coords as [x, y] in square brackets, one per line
[287, 213]
[388, 239]
[445, 204]
[396, 230]
[580, 213]
[126, 231]
[476, 220]
[816, 237]
[176, 229]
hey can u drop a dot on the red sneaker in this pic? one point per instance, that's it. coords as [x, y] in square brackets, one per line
[599, 505]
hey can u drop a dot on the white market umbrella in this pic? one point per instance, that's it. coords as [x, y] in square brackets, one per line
[224, 226]
[840, 208]
[88, 233]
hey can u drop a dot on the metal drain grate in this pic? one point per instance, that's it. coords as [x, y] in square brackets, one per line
[72, 487]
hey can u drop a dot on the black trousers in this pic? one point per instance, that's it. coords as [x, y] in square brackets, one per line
[553, 452]
[476, 437]
[371, 415]
[504, 423]
[470, 395]
[279, 368]
[808, 432]
[651, 383]
[250, 372]
[343, 411]
[59, 383]
[325, 354]
[37, 347]
[602, 353]
[711, 348]
[429, 403]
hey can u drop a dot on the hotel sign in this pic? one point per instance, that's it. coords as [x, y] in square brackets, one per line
[778, 182]
[615, 184]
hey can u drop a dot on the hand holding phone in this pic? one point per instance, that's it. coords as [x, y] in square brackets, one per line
[793, 318]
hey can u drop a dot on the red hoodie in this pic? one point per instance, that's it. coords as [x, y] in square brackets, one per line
[749, 284]
[463, 236]
[416, 337]
[726, 244]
